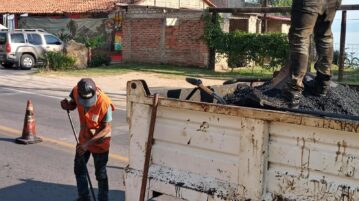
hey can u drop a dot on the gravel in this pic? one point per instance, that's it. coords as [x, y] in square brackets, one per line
[339, 100]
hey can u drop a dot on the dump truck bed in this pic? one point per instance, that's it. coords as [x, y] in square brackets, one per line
[206, 151]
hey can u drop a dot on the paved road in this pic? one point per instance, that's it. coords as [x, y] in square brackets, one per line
[45, 171]
[52, 121]
[59, 87]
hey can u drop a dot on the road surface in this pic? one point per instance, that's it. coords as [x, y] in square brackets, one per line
[44, 171]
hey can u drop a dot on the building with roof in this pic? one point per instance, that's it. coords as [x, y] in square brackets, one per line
[145, 31]
[132, 30]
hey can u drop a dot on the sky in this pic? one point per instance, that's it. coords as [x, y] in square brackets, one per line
[352, 36]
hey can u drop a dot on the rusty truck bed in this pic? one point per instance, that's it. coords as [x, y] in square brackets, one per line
[207, 151]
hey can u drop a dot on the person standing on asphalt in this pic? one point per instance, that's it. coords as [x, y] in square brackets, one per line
[309, 16]
[95, 112]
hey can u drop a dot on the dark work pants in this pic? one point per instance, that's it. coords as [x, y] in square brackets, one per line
[310, 16]
[100, 161]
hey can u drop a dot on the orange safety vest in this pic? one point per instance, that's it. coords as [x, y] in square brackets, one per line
[91, 121]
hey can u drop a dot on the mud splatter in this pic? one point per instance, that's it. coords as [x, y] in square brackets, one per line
[203, 127]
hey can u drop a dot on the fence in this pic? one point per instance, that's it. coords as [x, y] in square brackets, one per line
[351, 63]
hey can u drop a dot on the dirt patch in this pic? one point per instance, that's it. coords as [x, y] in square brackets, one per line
[339, 100]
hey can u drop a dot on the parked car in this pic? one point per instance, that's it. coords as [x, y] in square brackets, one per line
[26, 48]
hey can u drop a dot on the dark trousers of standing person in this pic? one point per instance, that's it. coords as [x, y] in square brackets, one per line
[310, 16]
[100, 161]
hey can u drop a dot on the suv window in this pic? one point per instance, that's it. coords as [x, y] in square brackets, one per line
[34, 39]
[2, 38]
[17, 38]
[52, 40]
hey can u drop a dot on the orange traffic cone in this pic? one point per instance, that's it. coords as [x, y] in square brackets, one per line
[29, 130]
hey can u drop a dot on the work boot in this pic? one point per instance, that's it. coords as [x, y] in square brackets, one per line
[83, 199]
[292, 95]
[319, 86]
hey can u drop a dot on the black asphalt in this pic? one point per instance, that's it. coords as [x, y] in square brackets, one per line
[44, 171]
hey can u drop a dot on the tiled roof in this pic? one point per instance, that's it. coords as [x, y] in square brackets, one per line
[220, 3]
[57, 6]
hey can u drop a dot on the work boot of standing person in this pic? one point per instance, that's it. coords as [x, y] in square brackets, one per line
[319, 86]
[292, 91]
[324, 45]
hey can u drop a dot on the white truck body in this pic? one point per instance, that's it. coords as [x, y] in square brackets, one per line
[209, 152]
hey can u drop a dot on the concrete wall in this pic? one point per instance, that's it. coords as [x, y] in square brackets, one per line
[246, 24]
[252, 24]
[229, 3]
[278, 26]
[151, 36]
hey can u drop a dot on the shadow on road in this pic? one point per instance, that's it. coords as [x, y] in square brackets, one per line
[7, 139]
[31, 190]
[116, 167]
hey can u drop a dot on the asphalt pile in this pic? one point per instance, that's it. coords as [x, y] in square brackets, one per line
[339, 100]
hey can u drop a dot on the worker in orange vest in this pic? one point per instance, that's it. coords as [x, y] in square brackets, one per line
[95, 112]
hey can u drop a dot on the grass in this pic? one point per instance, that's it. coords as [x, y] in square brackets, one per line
[163, 70]
[351, 75]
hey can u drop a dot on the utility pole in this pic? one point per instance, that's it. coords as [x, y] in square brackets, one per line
[265, 22]
[342, 45]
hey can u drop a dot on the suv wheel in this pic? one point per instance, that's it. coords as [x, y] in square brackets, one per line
[27, 61]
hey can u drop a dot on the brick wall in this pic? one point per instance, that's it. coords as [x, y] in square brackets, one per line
[141, 40]
[152, 40]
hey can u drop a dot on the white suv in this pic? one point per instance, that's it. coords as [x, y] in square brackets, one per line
[25, 48]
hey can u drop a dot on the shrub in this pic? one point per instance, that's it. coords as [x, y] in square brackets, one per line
[244, 47]
[100, 59]
[60, 61]
[94, 42]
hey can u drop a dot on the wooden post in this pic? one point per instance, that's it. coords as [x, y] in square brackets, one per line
[212, 51]
[265, 21]
[342, 45]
